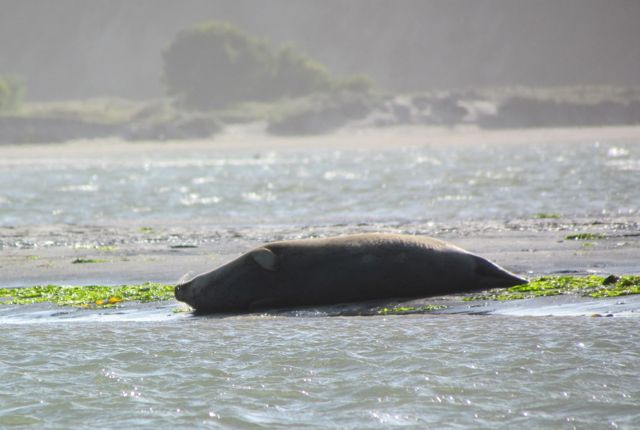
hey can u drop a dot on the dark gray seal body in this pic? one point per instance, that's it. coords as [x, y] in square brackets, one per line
[340, 270]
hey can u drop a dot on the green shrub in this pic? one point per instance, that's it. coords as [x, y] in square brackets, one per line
[215, 65]
[297, 75]
[11, 92]
[360, 84]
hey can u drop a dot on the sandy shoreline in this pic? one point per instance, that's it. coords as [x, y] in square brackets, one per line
[246, 138]
[165, 252]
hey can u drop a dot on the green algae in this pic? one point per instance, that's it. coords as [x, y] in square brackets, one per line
[182, 308]
[545, 215]
[91, 296]
[87, 261]
[584, 236]
[588, 286]
[102, 296]
[404, 310]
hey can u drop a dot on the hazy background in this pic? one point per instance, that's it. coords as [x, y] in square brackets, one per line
[77, 48]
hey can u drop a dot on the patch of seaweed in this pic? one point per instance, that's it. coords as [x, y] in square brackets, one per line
[91, 296]
[590, 286]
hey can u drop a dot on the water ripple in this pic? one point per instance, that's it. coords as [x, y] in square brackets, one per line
[321, 185]
[318, 373]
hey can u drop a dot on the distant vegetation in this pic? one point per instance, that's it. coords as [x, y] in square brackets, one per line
[350, 103]
[11, 92]
[214, 65]
[562, 107]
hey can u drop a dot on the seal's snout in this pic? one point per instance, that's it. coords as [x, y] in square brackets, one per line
[178, 291]
[181, 291]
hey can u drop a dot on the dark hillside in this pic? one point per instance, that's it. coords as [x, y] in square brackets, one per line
[78, 48]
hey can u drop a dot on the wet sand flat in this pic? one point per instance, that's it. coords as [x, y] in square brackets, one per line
[246, 138]
[112, 254]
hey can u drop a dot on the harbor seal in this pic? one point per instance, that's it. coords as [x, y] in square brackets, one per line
[341, 269]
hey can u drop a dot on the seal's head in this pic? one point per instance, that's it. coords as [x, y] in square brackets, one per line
[238, 285]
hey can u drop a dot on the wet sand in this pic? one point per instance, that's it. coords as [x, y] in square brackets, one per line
[250, 138]
[166, 252]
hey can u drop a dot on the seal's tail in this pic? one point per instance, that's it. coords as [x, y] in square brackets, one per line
[493, 276]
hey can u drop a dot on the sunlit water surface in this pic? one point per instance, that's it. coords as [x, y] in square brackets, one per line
[316, 185]
[451, 371]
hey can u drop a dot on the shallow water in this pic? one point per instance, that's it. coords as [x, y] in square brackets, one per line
[320, 185]
[362, 372]
[162, 370]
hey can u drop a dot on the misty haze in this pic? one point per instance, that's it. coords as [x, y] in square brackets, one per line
[192, 196]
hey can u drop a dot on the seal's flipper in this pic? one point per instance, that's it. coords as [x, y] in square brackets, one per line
[265, 258]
